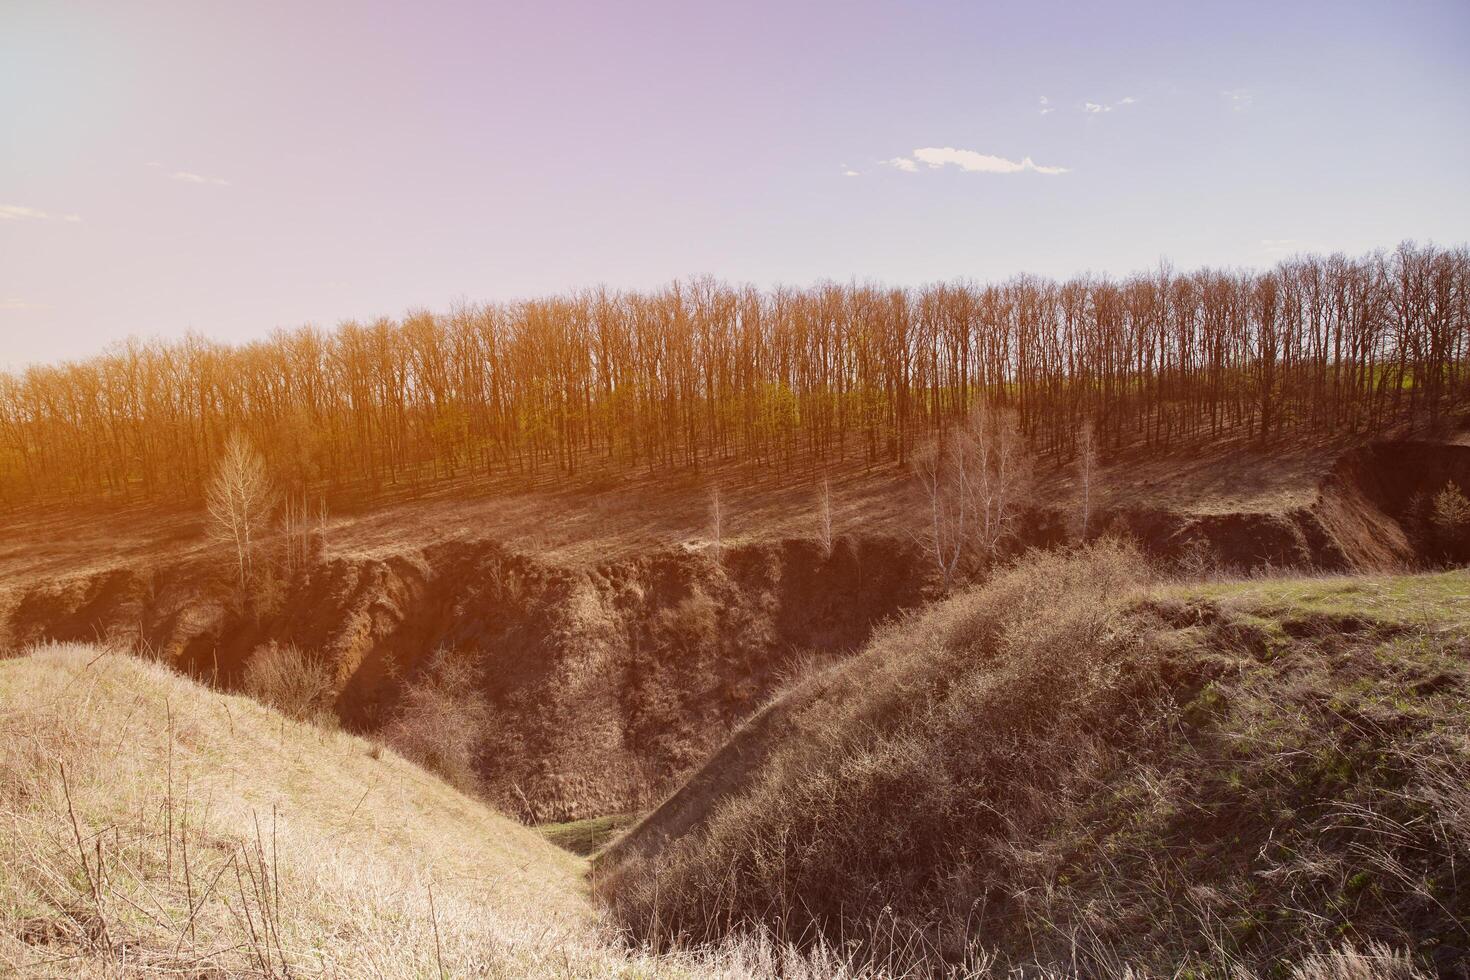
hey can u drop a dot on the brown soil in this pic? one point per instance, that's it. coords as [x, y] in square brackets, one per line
[607, 682]
[621, 658]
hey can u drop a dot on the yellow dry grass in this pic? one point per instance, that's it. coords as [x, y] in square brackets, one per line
[148, 824]
[151, 826]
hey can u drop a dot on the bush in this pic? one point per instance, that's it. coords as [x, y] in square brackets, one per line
[1449, 515]
[442, 721]
[292, 681]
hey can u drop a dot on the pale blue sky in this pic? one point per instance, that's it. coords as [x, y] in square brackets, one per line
[234, 167]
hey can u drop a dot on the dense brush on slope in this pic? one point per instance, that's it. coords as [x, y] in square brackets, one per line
[1068, 770]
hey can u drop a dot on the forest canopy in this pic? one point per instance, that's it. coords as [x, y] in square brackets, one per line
[702, 371]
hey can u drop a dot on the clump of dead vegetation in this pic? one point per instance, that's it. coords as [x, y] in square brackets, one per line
[1065, 771]
[296, 683]
[442, 720]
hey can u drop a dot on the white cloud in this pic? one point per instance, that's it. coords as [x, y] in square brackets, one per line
[851, 173]
[1097, 108]
[189, 178]
[15, 212]
[1046, 106]
[970, 160]
[1279, 246]
[902, 163]
[1240, 98]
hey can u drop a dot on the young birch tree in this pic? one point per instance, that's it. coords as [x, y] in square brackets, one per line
[824, 518]
[997, 476]
[717, 522]
[974, 484]
[239, 502]
[1086, 473]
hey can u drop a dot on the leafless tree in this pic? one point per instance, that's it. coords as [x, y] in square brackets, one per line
[701, 372]
[973, 483]
[996, 475]
[304, 533]
[1086, 473]
[824, 517]
[946, 532]
[717, 522]
[239, 502]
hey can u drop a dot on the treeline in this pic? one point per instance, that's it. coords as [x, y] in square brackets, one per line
[705, 371]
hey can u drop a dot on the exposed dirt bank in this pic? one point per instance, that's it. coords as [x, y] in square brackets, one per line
[611, 681]
[608, 683]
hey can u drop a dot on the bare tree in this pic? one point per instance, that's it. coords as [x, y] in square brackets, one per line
[239, 502]
[935, 467]
[996, 475]
[304, 530]
[974, 483]
[717, 522]
[1086, 472]
[824, 518]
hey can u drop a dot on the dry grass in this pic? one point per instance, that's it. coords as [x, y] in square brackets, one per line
[152, 827]
[597, 515]
[1090, 778]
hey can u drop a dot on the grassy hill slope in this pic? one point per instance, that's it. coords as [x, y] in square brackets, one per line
[149, 825]
[1078, 767]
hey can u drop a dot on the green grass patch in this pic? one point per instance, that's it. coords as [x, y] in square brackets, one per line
[1435, 600]
[587, 837]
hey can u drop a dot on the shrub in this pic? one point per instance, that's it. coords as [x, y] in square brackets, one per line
[443, 720]
[1449, 515]
[294, 682]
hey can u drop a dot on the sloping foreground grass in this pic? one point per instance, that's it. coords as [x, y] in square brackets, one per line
[150, 826]
[1075, 767]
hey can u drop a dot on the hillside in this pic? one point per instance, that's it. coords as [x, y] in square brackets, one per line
[613, 672]
[1081, 766]
[152, 825]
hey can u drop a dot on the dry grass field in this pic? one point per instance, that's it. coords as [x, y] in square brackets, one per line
[601, 515]
[153, 827]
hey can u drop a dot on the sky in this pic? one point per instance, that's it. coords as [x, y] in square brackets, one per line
[225, 168]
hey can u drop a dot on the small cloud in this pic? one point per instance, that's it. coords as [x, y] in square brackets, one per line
[902, 163]
[1097, 108]
[1279, 246]
[1240, 99]
[1046, 106]
[851, 173]
[190, 178]
[15, 212]
[11, 303]
[974, 162]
